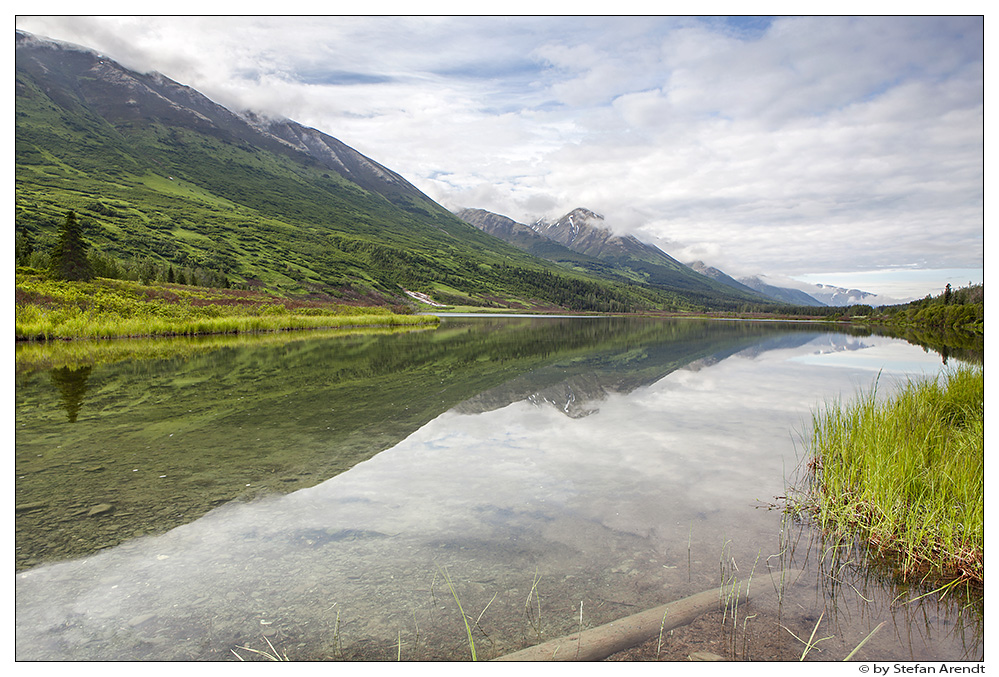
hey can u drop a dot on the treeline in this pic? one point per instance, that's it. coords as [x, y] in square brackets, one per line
[960, 310]
[569, 293]
[144, 271]
[147, 271]
[72, 258]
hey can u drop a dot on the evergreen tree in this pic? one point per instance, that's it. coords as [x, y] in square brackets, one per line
[69, 257]
[23, 248]
[104, 265]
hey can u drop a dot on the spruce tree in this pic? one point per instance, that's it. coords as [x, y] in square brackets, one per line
[69, 257]
[23, 248]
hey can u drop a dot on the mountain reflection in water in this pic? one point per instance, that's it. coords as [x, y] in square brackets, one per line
[609, 477]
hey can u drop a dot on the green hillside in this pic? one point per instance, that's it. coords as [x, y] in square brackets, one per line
[164, 180]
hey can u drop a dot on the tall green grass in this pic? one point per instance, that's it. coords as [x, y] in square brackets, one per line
[82, 324]
[53, 309]
[907, 474]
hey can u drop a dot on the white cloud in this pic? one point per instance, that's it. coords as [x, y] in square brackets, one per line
[791, 146]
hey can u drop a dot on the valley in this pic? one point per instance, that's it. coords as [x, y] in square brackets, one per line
[277, 401]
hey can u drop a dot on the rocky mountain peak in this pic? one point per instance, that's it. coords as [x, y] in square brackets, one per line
[583, 213]
[578, 217]
[586, 232]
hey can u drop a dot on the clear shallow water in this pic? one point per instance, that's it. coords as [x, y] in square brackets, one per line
[617, 467]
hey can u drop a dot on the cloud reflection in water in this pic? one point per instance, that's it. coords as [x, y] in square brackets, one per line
[492, 495]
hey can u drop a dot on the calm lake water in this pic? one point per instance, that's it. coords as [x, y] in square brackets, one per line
[308, 494]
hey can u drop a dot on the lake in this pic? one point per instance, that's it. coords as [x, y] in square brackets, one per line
[313, 495]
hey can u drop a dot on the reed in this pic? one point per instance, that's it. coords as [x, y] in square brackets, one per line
[532, 618]
[906, 474]
[464, 616]
[731, 589]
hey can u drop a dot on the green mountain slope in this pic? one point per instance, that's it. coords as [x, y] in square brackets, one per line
[162, 176]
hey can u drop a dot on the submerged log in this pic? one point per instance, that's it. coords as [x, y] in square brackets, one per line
[600, 642]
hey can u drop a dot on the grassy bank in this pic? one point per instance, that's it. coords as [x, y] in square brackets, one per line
[54, 309]
[907, 475]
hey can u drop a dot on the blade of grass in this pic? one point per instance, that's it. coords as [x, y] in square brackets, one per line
[863, 642]
[464, 617]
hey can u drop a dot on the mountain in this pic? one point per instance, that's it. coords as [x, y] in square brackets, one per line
[580, 240]
[719, 276]
[811, 294]
[522, 236]
[839, 296]
[757, 286]
[784, 294]
[584, 231]
[161, 177]
[77, 78]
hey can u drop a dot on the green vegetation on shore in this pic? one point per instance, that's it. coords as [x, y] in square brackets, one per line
[961, 310]
[907, 475]
[102, 308]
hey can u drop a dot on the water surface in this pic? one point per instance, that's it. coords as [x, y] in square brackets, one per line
[311, 494]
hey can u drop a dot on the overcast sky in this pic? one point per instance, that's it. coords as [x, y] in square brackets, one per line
[811, 147]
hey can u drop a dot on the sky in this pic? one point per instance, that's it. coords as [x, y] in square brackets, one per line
[834, 149]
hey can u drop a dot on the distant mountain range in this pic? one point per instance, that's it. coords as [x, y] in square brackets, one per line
[581, 238]
[161, 176]
[840, 296]
[724, 278]
[785, 294]
[816, 294]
